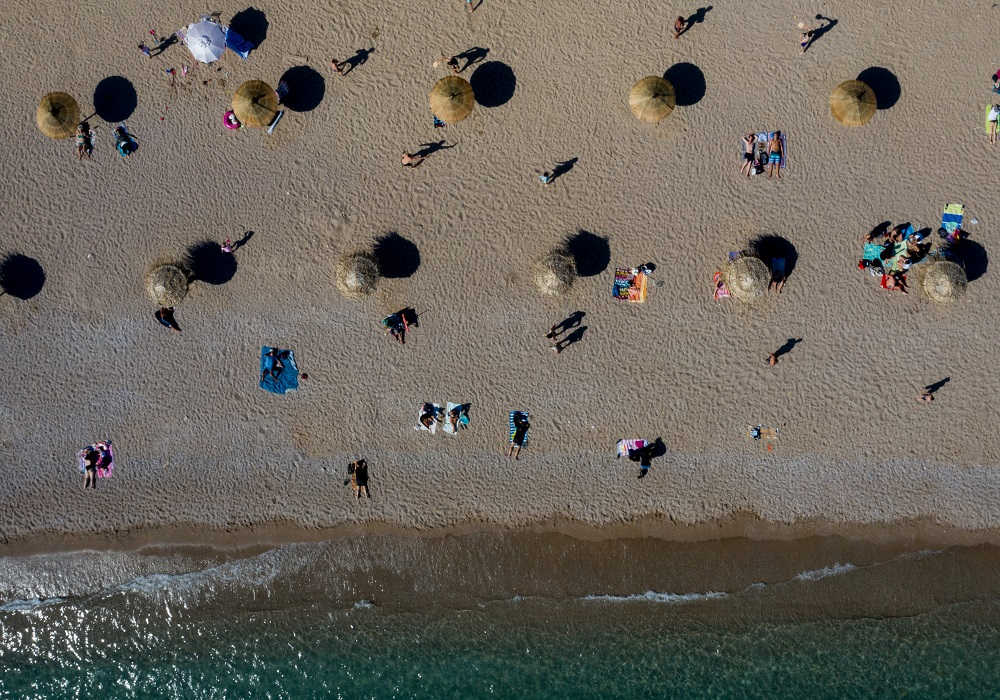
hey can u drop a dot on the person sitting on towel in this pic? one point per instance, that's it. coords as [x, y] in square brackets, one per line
[272, 364]
[428, 414]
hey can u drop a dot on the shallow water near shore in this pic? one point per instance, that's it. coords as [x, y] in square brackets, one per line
[513, 614]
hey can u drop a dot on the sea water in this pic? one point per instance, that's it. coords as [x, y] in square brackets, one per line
[424, 620]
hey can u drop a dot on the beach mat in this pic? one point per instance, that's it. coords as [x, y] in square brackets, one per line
[287, 380]
[239, 46]
[951, 217]
[105, 464]
[628, 286]
[510, 423]
[988, 108]
[626, 445]
[463, 418]
[438, 413]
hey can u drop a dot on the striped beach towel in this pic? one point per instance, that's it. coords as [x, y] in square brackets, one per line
[952, 216]
[513, 428]
[625, 445]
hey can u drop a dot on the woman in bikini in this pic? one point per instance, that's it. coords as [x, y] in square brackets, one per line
[748, 144]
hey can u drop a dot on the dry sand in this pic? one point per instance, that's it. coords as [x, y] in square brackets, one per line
[200, 445]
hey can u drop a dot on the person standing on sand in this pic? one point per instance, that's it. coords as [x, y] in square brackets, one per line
[806, 37]
[410, 160]
[748, 144]
[358, 472]
[166, 316]
[993, 116]
[926, 397]
[545, 176]
[772, 359]
[679, 25]
[774, 154]
[449, 61]
[337, 66]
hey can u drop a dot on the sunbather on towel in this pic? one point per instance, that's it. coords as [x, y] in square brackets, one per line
[273, 364]
[895, 281]
[748, 145]
[774, 153]
[521, 426]
[428, 414]
[83, 141]
[454, 416]
[90, 472]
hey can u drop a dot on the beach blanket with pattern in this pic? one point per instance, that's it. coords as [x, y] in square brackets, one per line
[951, 218]
[287, 378]
[627, 445]
[105, 460]
[628, 286]
[513, 428]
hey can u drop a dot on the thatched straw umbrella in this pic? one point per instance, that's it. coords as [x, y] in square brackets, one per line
[853, 103]
[651, 99]
[357, 274]
[554, 273]
[943, 280]
[167, 284]
[452, 99]
[747, 277]
[58, 115]
[255, 103]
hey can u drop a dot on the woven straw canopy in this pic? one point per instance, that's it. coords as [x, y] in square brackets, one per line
[255, 103]
[652, 99]
[58, 115]
[452, 99]
[357, 274]
[167, 285]
[943, 281]
[853, 103]
[747, 278]
[554, 273]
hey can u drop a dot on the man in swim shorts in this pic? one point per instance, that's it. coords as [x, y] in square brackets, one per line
[774, 154]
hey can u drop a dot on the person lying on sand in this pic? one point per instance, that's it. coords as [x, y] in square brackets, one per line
[454, 415]
[521, 426]
[272, 364]
[83, 141]
[895, 281]
[748, 144]
[90, 470]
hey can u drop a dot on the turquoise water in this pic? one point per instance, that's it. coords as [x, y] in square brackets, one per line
[548, 651]
[280, 625]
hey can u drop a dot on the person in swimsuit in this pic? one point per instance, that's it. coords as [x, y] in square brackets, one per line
[90, 469]
[272, 364]
[428, 414]
[359, 477]
[544, 175]
[895, 281]
[806, 37]
[166, 316]
[521, 426]
[411, 161]
[337, 66]
[453, 417]
[774, 154]
[748, 144]
[993, 116]
[679, 25]
[451, 62]
[83, 137]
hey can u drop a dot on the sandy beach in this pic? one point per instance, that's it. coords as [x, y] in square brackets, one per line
[202, 451]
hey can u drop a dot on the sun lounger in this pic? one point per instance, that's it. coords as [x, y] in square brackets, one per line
[240, 46]
[629, 285]
[105, 460]
[274, 122]
[513, 429]
[627, 445]
[287, 379]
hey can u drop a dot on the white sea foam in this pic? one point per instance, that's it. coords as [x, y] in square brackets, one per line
[28, 605]
[818, 574]
[655, 597]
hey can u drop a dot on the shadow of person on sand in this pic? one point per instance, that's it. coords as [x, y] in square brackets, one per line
[251, 24]
[697, 18]
[359, 58]
[428, 149]
[787, 347]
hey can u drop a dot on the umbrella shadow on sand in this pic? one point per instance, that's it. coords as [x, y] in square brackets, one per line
[20, 276]
[591, 253]
[397, 257]
[209, 264]
[493, 83]
[773, 247]
[688, 82]
[884, 84]
[251, 24]
[306, 88]
[115, 99]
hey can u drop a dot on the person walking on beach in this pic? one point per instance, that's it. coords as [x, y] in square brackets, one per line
[926, 397]
[679, 25]
[451, 62]
[748, 145]
[337, 66]
[993, 116]
[774, 153]
[145, 50]
[166, 316]
[544, 175]
[806, 37]
[358, 472]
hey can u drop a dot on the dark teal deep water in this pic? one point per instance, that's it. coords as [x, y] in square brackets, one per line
[279, 625]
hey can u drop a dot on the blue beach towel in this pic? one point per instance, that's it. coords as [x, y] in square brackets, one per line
[238, 44]
[287, 379]
[513, 429]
